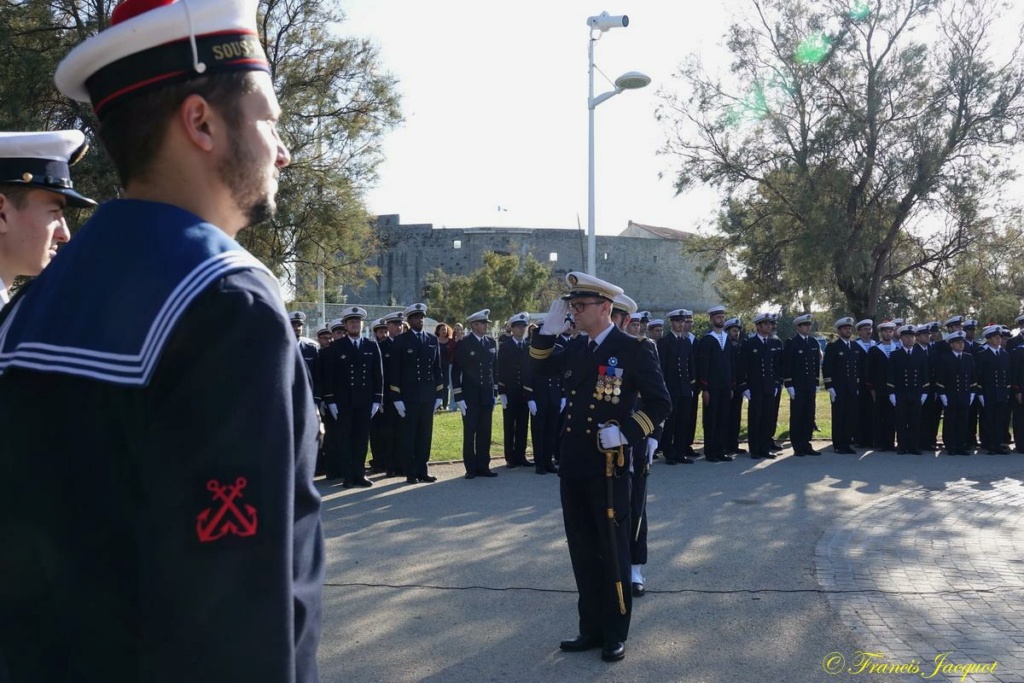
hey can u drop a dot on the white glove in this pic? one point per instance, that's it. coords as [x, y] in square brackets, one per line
[945, 400]
[652, 445]
[892, 400]
[776, 392]
[981, 400]
[504, 400]
[555, 322]
[832, 395]
[561, 406]
[532, 405]
[461, 405]
[334, 410]
[746, 394]
[437, 404]
[971, 400]
[400, 407]
[924, 397]
[374, 409]
[611, 437]
[792, 393]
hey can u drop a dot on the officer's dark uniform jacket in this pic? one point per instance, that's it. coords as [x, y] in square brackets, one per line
[512, 360]
[841, 366]
[415, 368]
[473, 370]
[956, 378]
[353, 377]
[309, 349]
[801, 363]
[759, 369]
[677, 364]
[640, 374]
[908, 374]
[165, 527]
[994, 375]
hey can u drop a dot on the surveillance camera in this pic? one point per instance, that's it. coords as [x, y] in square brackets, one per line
[605, 21]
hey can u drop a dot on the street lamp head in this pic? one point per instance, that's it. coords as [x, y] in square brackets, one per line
[604, 21]
[632, 80]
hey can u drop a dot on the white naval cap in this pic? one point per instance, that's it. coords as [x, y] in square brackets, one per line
[733, 322]
[378, 323]
[583, 285]
[866, 322]
[297, 317]
[763, 317]
[323, 330]
[635, 317]
[715, 310]
[955, 320]
[656, 322]
[1019, 319]
[924, 328]
[395, 318]
[991, 330]
[959, 334]
[151, 44]
[803, 319]
[970, 324]
[887, 325]
[680, 314]
[519, 319]
[645, 315]
[337, 324]
[906, 329]
[898, 322]
[415, 309]
[43, 160]
[843, 322]
[480, 316]
[621, 302]
[353, 312]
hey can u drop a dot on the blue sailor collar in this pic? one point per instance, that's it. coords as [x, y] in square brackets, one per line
[145, 262]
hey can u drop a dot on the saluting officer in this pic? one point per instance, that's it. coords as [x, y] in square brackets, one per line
[473, 387]
[993, 366]
[604, 373]
[801, 367]
[513, 355]
[415, 384]
[907, 377]
[862, 435]
[759, 378]
[957, 386]
[675, 353]
[354, 392]
[840, 368]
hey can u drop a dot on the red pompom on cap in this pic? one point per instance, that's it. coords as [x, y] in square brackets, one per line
[133, 8]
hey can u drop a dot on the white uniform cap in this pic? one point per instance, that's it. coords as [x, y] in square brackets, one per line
[843, 322]
[337, 324]
[762, 318]
[656, 322]
[480, 316]
[733, 322]
[906, 329]
[866, 322]
[621, 302]
[801, 319]
[353, 312]
[715, 310]
[955, 335]
[990, 330]
[519, 319]
[583, 285]
[415, 309]
[43, 160]
[955, 320]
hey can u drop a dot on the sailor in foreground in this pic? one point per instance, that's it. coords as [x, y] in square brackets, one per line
[169, 529]
[35, 188]
[604, 372]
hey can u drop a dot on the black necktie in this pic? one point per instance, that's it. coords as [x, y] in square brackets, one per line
[592, 346]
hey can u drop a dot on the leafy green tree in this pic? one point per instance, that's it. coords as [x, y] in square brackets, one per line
[504, 284]
[337, 103]
[867, 145]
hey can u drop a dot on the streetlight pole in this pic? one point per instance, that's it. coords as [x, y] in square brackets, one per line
[631, 80]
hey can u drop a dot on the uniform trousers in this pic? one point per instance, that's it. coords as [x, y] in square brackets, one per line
[332, 448]
[674, 439]
[884, 424]
[863, 436]
[476, 436]
[844, 420]
[515, 419]
[954, 425]
[417, 430]
[383, 439]
[544, 429]
[908, 422]
[773, 417]
[759, 426]
[992, 421]
[353, 429]
[584, 512]
[801, 419]
[691, 428]
[1017, 418]
[931, 414]
[732, 427]
[716, 422]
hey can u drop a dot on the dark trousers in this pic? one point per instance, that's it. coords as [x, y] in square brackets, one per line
[801, 419]
[332, 449]
[716, 421]
[638, 506]
[931, 415]
[862, 434]
[1017, 418]
[844, 420]
[674, 443]
[544, 430]
[691, 428]
[992, 421]
[974, 422]
[773, 417]
[516, 421]
[417, 430]
[954, 425]
[884, 423]
[476, 436]
[908, 421]
[759, 426]
[384, 440]
[732, 426]
[585, 514]
[353, 438]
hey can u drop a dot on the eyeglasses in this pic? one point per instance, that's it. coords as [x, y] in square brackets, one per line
[580, 306]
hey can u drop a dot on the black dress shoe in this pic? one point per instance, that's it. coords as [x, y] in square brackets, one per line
[488, 473]
[671, 461]
[740, 451]
[769, 456]
[363, 483]
[470, 475]
[726, 458]
[580, 644]
[775, 446]
[811, 451]
[511, 465]
[427, 479]
[411, 480]
[389, 474]
[638, 590]
[686, 460]
[551, 468]
[710, 458]
[755, 456]
[799, 454]
[527, 463]
[613, 652]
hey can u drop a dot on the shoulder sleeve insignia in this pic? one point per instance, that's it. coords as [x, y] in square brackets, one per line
[226, 517]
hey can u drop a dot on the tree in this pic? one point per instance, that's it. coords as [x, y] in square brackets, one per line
[504, 284]
[336, 105]
[872, 144]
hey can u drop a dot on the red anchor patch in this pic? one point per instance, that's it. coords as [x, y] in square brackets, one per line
[228, 518]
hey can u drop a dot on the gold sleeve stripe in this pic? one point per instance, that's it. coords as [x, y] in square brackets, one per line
[540, 354]
[394, 388]
[440, 387]
[645, 422]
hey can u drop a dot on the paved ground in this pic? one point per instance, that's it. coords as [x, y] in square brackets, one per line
[760, 571]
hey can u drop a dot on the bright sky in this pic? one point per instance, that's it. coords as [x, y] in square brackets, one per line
[495, 101]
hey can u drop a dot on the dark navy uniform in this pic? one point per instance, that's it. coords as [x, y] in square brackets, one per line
[354, 379]
[582, 465]
[384, 425]
[760, 372]
[993, 366]
[546, 393]
[1016, 394]
[416, 381]
[863, 435]
[884, 418]
[931, 411]
[675, 353]
[473, 382]
[908, 379]
[169, 530]
[309, 350]
[801, 365]
[732, 425]
[840, 368]
[957, 381]
[515, 417]
[715, 376]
